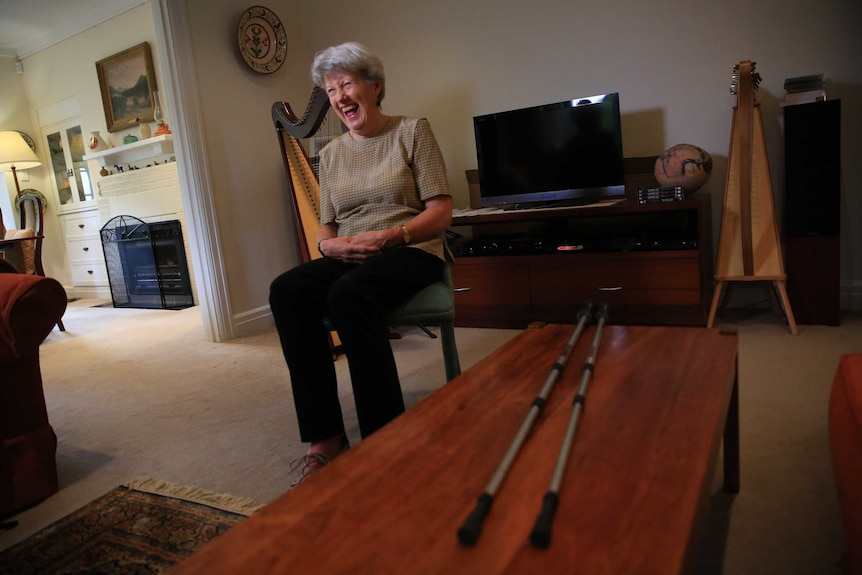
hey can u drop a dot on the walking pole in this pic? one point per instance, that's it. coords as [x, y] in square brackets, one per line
[469, 531]
[541, 534]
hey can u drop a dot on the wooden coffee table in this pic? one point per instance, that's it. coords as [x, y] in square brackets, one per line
[661, 403]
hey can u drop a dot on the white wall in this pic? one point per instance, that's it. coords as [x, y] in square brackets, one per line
[249, 185]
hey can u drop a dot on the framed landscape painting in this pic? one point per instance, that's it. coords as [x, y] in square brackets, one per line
[127, 82]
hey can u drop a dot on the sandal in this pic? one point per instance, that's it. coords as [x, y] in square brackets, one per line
[311, 463]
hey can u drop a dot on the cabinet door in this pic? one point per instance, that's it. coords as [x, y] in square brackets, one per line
[65, 145]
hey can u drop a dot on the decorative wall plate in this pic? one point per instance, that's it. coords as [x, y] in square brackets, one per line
[261, 39]
[28, 139]
[36, 193]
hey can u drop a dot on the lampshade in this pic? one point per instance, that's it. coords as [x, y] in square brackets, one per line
[15, 153]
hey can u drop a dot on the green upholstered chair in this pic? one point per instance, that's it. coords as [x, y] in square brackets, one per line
[434, 305]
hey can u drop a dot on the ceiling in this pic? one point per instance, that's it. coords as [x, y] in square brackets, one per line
[28, 26]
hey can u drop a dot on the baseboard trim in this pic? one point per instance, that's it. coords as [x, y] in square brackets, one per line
[252, 321]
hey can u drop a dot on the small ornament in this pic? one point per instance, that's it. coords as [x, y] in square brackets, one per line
[95, 143]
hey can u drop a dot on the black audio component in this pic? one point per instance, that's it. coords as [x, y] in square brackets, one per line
[663, 194]
[500, 247]
[531, 246]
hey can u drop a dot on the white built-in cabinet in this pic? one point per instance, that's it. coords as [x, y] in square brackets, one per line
[84, 248]
[77, 207]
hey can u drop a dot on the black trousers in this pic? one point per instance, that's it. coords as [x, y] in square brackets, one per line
[357, 298]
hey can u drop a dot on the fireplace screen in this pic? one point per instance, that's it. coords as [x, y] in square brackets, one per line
[146, 264]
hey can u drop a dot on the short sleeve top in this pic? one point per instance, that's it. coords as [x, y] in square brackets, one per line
[382, 181]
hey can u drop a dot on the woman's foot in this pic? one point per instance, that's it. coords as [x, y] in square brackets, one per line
[319, 454]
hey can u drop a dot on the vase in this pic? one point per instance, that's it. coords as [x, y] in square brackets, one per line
[96, 143]
[159, 116]
[145, 131]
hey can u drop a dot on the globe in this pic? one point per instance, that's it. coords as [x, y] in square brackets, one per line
[683, 165]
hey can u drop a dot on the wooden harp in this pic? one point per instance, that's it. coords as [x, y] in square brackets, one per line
[300, 144]
[749, 248]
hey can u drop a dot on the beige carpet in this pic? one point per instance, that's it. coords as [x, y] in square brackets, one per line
[136, 393]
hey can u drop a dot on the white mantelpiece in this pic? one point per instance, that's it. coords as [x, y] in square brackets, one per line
[147, 193]
[155, 147]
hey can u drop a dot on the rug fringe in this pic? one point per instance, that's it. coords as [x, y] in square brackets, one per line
[225, 502]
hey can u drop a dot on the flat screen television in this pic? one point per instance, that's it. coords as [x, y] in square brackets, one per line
[567, 152]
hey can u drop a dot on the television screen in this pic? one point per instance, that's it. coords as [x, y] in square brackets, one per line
[565, 152]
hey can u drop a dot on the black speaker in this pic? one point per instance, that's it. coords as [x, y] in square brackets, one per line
[812, 148]
[812, 157]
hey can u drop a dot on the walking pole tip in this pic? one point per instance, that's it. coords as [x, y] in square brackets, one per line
[540, 536]
[468, 533]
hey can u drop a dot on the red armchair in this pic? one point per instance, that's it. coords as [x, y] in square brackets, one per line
[30, 307]
[845, 438]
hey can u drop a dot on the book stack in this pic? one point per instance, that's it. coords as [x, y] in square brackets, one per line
[804, 90]
[664, 194]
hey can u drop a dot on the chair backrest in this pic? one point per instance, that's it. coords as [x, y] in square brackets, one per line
[31, 213]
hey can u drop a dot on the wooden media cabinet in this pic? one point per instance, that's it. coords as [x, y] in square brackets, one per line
[651, 263]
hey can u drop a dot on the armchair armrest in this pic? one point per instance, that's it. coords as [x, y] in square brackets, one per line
[30, 307]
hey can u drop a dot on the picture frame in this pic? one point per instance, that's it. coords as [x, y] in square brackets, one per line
[127, 82]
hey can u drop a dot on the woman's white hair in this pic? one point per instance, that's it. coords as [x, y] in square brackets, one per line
[350, 57]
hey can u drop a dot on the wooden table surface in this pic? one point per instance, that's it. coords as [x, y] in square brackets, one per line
[635, 493]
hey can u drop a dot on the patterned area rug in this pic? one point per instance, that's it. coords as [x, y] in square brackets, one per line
[140, 528]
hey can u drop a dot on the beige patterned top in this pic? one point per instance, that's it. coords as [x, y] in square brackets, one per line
[381, 182]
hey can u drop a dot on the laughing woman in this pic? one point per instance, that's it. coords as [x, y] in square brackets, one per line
[384, 207]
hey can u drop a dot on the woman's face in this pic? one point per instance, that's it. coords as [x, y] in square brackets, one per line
[355, 101]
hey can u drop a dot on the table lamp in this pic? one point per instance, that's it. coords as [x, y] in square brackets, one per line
[15, 154]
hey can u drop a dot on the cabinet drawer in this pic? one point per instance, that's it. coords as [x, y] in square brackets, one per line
[85, 250]
[633, 285]
[89, 274]
[550, 308]
[488, 292]
[81, 225]
[648, 270]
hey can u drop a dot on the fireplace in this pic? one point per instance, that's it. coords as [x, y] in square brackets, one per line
[146, 264]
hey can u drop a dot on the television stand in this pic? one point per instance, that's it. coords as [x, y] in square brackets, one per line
[651, 263]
